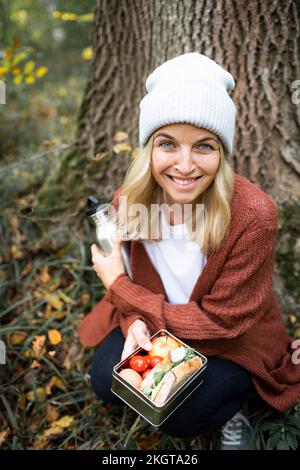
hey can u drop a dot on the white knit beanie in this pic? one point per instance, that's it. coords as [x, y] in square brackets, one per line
[190, 88]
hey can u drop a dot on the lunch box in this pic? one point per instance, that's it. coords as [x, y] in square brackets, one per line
[143, 405]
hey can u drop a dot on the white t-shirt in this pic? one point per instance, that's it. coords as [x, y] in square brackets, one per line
[179, 261]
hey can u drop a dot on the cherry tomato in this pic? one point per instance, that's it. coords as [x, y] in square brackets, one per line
[148, 359]
[138, 363]
[144, 374]
[155, 360]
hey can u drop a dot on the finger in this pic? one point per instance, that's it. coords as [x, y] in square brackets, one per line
[117, 245]
[95, 250]
[144, 342]
[129, 346]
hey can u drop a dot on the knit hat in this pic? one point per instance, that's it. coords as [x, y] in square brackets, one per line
[190, 88]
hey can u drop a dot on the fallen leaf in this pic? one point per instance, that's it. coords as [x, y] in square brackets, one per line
[16, 253]
[85, 297]
[39, 396]
[55, 381]
[53, 300]
[37, 344]
[17, 337]
[54, 284]
[57, 427]
[27, 269]
[54, 337]
[3, 435]
[65, 298]
[35, 364]
[22, 401]
[44, 277]
[52, 413]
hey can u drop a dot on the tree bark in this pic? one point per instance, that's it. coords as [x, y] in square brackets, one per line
[257, 41]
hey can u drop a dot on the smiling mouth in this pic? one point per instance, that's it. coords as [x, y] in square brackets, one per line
[184, 183]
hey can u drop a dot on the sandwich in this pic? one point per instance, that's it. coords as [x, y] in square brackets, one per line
[167, 376]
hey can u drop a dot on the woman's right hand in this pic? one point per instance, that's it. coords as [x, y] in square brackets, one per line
[137, 336]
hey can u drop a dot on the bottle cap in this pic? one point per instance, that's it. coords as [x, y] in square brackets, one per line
[92, 205]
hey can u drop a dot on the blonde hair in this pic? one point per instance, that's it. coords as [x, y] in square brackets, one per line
[140, 187]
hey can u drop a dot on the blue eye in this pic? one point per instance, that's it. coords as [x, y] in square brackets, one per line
[207, 146]
[162, 143]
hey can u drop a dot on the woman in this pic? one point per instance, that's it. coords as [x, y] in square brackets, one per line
[209, 282]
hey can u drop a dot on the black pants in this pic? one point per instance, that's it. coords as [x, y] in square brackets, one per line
[225, 387]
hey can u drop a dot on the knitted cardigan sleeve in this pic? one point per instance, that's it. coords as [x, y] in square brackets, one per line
[238, 299]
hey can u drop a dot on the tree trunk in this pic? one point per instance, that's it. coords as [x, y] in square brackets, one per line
[257, 41]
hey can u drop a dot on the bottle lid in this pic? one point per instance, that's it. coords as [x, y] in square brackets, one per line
[92, 205]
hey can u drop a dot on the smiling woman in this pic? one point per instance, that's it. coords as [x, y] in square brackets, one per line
[213, 291]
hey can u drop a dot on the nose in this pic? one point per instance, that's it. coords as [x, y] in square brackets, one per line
[185, 164]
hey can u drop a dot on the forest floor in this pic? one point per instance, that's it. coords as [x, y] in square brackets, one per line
[47, 286]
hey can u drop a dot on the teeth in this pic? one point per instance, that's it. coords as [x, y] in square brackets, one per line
[183, 182]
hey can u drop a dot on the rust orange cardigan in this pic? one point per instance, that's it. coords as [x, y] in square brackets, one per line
[232, 312]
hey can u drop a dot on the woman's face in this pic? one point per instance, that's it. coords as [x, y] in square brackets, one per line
[187, 153]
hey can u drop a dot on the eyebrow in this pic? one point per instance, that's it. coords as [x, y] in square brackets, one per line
[207, 137]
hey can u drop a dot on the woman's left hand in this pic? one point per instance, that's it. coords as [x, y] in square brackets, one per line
[108, 268]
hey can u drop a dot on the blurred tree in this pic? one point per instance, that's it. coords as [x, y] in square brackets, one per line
[257, 41]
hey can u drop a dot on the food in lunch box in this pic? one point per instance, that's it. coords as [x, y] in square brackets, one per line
[131, 376]
[162, 345]
[167, 376]
[139, 363]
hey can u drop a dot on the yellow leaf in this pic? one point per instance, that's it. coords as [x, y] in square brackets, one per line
[22, 401]
[44, 277]
[55, 381]
[122, 148]
[54, 336]
[29, 66]
[15, 70]
[54, 300]
[65, 297]
[56, 14]
[119, 136]
[18, 337]
[87, 53]
[19, 57]
[57, 427]
[68, 16]
[60, 315]
[40, 394]
[18, 79]
[37, 344]
[41, 71]
[16, 253]
[29, 79]
[135, 152]
[86, 17]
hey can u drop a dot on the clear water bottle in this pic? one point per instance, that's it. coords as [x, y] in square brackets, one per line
[104, 218]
